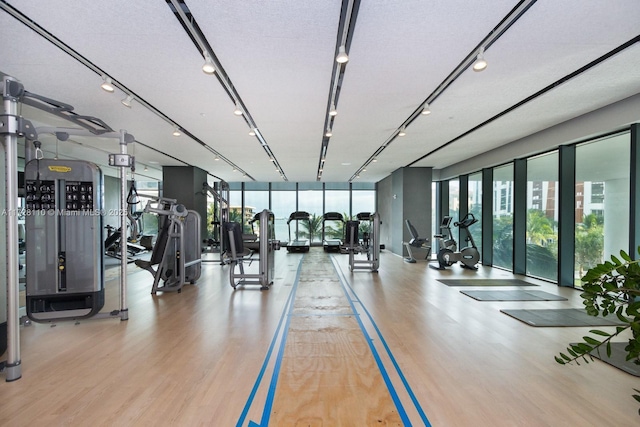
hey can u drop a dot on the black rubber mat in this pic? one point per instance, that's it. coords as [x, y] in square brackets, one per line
[513, 295]
[618, 358]
[560, 317]
[485, 282]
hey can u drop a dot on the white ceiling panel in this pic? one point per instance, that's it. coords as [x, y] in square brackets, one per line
[279, 56]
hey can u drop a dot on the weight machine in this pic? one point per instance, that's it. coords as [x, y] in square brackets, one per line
[416, 242]
[177, 252]
[369, 244]
[51, 287]
[232, 232]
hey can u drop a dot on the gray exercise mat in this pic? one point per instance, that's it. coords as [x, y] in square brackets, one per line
[485, 282]
[560, 317]
[618, 358]
[513, 295]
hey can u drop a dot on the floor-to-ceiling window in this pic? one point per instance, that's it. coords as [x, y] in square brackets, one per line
[283, 203]
[310, 200]
[503, 216]
[235, 203]
[454, 199]
[256, 199]
[363, 198]
[475, 208]
[336, 199]
[542, 216]
[602, 201]
[454, 210]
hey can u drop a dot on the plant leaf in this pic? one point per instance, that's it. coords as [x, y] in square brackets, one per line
[591, 341]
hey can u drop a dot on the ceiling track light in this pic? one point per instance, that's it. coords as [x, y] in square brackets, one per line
[252, 132]
[402, 132]
[426, 110]
[333, 112]
[342, 57]
[237, 111]
[328, 133]
[176, 131]
[107, 84]
[480, 63]
[127, 101]
[208, 67]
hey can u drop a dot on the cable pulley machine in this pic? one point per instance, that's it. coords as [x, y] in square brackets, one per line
[63, 220]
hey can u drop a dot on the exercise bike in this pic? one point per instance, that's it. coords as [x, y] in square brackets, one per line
[447, 255]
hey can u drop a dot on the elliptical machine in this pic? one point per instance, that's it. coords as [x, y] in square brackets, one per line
[447, 255]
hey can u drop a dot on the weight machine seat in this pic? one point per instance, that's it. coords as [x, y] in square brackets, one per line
[158, 248]
[112, 239]
[416, 241]
[234, 230]
[351, 233]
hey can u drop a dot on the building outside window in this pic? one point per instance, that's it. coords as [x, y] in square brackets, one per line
[503, 216]
[602, 201]
[542, 216]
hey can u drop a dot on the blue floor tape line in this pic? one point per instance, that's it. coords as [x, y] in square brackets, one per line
[374, 352]
[408, 389]
[266, 413]
[285, 311]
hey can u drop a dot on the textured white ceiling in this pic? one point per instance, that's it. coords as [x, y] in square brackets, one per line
[279, 56]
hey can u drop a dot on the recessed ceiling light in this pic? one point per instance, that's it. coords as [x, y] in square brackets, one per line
[345, 164]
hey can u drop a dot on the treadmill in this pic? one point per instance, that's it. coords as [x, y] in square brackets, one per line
[298, 244]
[332, 244]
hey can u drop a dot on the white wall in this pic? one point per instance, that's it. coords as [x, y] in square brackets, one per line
[613, 117]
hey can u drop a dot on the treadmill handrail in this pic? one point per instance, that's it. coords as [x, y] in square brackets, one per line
[299, 215]
[332, 216]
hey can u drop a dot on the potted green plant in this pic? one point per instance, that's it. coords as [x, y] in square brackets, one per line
[610, 288]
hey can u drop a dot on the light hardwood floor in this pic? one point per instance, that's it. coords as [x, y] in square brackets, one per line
[196, 358]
